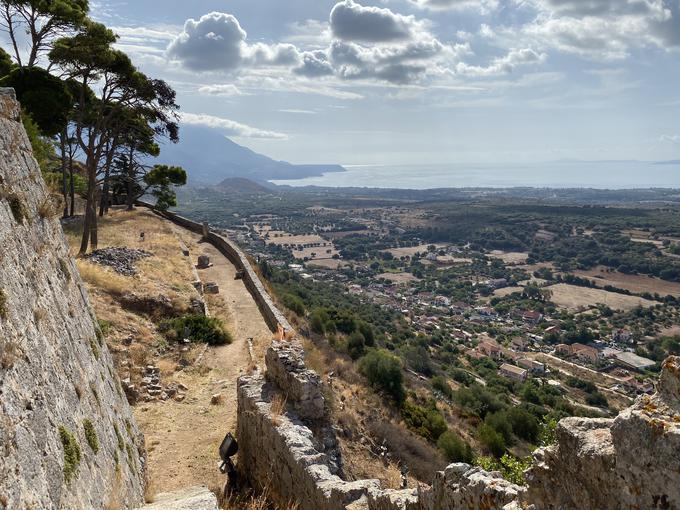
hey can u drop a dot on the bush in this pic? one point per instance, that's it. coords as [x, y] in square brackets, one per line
[367, 331]
[356, 346]
[91, 435]
[492, 440]
[500, 423]
[440, 384]
[597, 399]
[383, 371]
[524, 424]
[427, 422]
[198, 328]
[71, 452]
[454, 448]
[294, 304]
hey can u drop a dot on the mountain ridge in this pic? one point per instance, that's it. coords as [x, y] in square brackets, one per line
[209, 157]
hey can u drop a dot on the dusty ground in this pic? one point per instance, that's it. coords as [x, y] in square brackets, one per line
[631, 282]
[181, 438]
[575, 297]
[510, 257]
[398, 277]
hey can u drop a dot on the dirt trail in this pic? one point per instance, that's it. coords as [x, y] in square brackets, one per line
[182, 438]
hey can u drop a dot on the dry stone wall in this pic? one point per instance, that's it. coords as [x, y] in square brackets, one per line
[68, 439]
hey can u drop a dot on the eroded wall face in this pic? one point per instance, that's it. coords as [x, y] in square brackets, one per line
[68, 439]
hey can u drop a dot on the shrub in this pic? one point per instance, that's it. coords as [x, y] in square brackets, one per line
[440, 384]
[367, 331]
[91, 435]
[198, 328]
[356, 346]
[17, 207]
[294, 304]
[597, 399]
[500, 423]
[454, 448]
[492, 440]
[383, 370]
[524, 424]
[427, 422]
[71, 452]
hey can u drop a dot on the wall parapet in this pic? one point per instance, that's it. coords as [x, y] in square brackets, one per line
[272, 315]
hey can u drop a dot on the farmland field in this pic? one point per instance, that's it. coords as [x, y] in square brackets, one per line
[574, 297]
[631, 282]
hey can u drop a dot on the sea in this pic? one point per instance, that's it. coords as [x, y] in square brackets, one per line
[562, 174]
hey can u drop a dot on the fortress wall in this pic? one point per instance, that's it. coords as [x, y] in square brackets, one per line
[56, 373]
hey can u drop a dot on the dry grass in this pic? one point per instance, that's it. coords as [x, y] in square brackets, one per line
[104, 279]
[150, 491]
[277, 408]
[575, 297]
[51, 206]
[632, 282]
[10, 351]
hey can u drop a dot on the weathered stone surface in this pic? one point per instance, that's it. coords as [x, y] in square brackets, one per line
[302, 387]
[55, 369]
[193, 498]
[632, 461]
[389, 499]
[463, 486]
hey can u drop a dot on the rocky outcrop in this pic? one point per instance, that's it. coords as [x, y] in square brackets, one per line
[631, 462]
[68, 439]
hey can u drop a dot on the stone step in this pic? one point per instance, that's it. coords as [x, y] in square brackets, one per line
[193, 498]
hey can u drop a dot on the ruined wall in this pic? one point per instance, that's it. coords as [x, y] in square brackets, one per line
[631, 462]
[68, 439]
[270, 312]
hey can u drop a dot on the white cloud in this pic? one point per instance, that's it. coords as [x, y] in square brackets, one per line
[227, 90]
[670, 138]
[296, 111]
[483, 6]
[216, 42]
[503, 65]
[351, 21]
[229, 127]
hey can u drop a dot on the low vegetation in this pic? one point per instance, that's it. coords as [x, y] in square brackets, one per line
[197, 328]
[91, 435]
[72, 453]
[3, 304]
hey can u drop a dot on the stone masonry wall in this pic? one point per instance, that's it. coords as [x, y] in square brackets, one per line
[57, 382]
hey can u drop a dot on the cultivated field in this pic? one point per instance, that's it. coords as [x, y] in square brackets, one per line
[575, 297]
[398, 277]
[510, 257]
[631, 282]
[506, 291]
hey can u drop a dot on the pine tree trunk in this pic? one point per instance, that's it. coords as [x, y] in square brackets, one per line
[64, 179]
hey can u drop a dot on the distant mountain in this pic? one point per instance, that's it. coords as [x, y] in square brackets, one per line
[241, 185]
[210, 157]
[669, 162]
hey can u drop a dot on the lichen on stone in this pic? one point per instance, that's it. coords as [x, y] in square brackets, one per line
[3, 304]
[71, 452]
[91, 435]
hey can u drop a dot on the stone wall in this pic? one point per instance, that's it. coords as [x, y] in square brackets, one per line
[270, 312]
[58, 388]
[630, 462]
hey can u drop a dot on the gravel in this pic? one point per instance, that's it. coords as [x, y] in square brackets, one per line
[120, 260]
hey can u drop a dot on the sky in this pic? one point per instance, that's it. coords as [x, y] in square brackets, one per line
[407, 82]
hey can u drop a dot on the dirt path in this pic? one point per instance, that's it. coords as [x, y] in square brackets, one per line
[182, 438]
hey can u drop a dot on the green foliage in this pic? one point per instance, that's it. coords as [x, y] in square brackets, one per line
[492, 440]
[71, 452]
[91, 435]
[161, 181]
[119, 438]
[511, 467]
[454, 448]
[499, 422]
[43, 96]
[524, 424]
[6, 64]
[55, 181]
[95, 349]
[427, 422]
[198, 328]
[356, 345]
[548, 434]
[478, 400]
[43, 150]
[440, 384]
[383, 370]
[294, 304]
